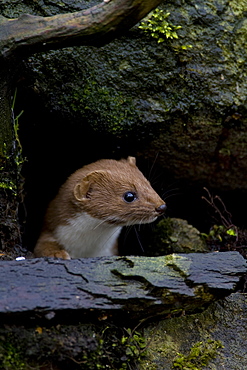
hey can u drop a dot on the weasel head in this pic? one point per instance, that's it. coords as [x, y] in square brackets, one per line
[116, 192]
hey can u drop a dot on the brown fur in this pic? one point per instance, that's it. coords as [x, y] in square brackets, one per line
[97, 190]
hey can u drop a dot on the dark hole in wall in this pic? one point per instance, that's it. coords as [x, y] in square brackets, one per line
[55, 147]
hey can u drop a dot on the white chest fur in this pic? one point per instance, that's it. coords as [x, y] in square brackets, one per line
[85, 236]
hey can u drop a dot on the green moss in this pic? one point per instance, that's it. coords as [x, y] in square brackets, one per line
[103, 107]
[11, 358]
[200, 355]
[157, 26]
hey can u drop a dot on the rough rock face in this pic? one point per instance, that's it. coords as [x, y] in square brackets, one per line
[223, 322]
[204, 137]
[187, 105]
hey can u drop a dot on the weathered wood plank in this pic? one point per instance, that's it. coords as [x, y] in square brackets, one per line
[141, 286]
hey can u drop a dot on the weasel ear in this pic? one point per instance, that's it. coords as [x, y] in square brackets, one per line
[132, 161]
[80, 191]
[83, 188]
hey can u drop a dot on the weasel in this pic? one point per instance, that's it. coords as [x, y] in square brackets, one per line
[92, 206]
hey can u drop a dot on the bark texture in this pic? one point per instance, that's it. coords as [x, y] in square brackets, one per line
[96, 26]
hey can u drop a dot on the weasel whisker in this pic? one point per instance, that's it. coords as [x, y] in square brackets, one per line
[139, 240]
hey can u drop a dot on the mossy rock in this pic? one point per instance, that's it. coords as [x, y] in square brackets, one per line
[187, 105]
[173, 235]
[219, 332]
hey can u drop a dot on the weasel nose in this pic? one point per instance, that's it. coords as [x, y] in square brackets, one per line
[161, 209]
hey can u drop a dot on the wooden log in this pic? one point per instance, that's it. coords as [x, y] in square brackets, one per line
[96, 26]
[136, 286]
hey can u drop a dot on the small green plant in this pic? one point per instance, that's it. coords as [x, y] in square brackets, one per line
[158, 27]
[199, 356]
[224, 234]
[10, 358]
[16, 156]
[19, 160]
[135, 345]
[119, 349]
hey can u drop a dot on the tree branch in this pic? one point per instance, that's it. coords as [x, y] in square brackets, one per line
[95, 26]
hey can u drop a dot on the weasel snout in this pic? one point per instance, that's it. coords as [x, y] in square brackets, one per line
[161, 209]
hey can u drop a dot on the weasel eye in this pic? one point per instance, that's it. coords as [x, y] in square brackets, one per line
[129, 196]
